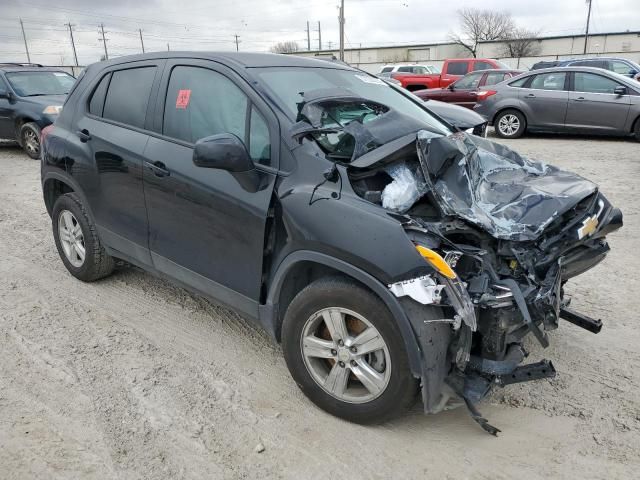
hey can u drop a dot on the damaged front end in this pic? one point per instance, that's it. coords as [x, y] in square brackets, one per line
[503, 234]
[514, 231]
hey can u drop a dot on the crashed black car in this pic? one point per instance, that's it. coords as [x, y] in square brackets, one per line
[388, 251]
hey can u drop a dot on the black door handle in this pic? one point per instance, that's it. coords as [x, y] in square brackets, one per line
[159, 169]
[531, 95]
[579, 99]
[84, 135]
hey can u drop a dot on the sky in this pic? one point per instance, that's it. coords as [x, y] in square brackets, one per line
[259, 24]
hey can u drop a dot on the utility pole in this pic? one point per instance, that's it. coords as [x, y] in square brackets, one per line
[168, 49]
[73, 44]
[308, 37]
[104, 42]
[24, 37]
[319, 38]
[141, 41]
[237, 42]
[341, 21]
[586, 32]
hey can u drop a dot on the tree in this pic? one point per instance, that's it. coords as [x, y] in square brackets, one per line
[481, 25]
[285, 47]
[521, 43]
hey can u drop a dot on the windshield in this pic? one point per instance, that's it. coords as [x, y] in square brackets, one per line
[288, 84]
[31, 84]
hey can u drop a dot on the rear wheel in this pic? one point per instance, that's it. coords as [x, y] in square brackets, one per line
[30, 139]
[77, 241]
[345, 352]
[636, 130]
[510, 124]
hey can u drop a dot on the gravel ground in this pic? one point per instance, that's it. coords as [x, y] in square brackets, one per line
[131, 377]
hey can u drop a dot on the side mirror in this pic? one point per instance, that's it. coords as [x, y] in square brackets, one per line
[227, 152]
[620, 90]
[224, 151]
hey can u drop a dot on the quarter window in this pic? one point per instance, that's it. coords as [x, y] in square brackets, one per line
[128, 95]
[592, 83]
[457, 68]
[386, 69]
[549, 81]
[519, 82]
[97, 99]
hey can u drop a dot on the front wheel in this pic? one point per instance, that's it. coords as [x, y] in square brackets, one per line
[510, 124]
[345, 352]
[30, 139]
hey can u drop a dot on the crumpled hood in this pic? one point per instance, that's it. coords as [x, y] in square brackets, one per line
[495, 188]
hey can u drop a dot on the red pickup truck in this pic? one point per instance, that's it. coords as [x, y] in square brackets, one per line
[452, 70]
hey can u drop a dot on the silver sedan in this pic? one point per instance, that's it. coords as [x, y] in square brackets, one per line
[564, 99]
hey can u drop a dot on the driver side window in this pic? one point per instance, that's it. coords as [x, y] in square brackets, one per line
[201, 102]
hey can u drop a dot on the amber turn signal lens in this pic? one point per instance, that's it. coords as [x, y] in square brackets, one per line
[437, 261]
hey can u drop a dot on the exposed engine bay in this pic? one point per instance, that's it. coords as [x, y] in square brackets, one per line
[504, 234]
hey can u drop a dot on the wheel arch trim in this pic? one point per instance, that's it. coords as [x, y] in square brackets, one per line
[71, 183]
[269, 316]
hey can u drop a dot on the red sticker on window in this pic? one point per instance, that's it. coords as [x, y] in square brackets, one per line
[183, 98]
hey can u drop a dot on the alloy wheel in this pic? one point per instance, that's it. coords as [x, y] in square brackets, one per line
[30, 141]
[509, 124]
[71, 238]
[346, 355]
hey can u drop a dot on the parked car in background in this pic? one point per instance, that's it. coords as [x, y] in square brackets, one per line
[418, 69]
[452, 70]
[31, 97]
[622, 66]
[567, 99]
[462, 118]
[463, 92]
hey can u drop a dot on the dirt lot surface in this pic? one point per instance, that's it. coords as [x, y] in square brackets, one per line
[131, 377]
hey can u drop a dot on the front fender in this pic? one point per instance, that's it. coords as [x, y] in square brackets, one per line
[268, 312]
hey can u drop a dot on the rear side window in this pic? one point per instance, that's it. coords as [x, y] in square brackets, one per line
[405, 69]
[128, 95]
[590, 63]
[520, 82]
[96, 104]
[457, 68]
[549, 81]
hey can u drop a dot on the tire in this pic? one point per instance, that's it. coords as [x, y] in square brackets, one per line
[69, 213]
[30, 139]
[395, 387]
[636, 130]
[510, 124]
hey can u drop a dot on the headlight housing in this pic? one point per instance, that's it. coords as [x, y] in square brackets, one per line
[53, 109]
[436, 262]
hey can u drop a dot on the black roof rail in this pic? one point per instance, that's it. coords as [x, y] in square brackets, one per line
[19, 64]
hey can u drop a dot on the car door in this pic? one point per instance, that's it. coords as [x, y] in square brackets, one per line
[7, 127]
[205, 228]
[111, 131]
[464, 91]
[545, 98]
[593, 105]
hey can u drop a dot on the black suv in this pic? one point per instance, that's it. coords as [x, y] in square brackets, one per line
[31, 97]
[388, 253]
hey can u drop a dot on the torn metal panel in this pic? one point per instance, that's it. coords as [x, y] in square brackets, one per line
[495, 188]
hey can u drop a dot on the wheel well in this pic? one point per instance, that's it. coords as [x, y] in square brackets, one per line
[493, 120]
[635, 124]
[52, 189]
[298, 277]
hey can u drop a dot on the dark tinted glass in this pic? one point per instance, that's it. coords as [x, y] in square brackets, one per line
[592, 83]
[128, 95]
[590, 63]
[97, 99]
[259, 144]
[405, 69]
[386, 69]
[457, 68]
[482, 66]
[201, 103]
